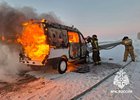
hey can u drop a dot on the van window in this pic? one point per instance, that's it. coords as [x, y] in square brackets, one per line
[57, 37]
[73, 37]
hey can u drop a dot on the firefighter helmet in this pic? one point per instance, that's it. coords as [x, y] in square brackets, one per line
[124, 38]
[89, 39]
[94, 36]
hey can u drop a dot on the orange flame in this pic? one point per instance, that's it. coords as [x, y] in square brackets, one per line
[34, 41]
[3, 38]
[73, 37]
[71, 67]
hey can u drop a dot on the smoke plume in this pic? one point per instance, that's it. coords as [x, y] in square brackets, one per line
[9, 64]
[11, 20]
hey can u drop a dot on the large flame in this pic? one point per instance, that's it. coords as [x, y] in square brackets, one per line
[2, 38]
[34, 41]
[73, 37]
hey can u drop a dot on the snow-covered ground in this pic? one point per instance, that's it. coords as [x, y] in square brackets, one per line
[103, 92]
[53, 86]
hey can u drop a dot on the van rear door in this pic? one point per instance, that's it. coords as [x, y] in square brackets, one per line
[74, 45]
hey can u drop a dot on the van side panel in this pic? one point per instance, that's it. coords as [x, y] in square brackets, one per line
[57, 37]
[55, 53]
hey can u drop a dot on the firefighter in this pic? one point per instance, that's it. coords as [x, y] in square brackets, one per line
[96, 53]
[88, 39]
[88, 45]
[129, 49]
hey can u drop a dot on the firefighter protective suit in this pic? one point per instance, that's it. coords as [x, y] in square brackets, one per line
[129, 49]
[96, 53]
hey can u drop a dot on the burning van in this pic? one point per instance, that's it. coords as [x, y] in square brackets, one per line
[44, 42]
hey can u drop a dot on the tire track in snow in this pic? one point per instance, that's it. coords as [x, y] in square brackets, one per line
[97, 84]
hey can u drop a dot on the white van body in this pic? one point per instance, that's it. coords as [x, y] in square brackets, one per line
[66, 44]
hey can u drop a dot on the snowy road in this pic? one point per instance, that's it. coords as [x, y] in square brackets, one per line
[104, 90]
[53, 86]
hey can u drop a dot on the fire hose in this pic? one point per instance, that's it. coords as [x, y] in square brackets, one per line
[106, 45]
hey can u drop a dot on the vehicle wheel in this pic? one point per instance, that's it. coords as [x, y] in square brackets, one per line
[62, 66]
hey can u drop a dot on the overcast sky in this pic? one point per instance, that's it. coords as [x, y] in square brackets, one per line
[102, 17]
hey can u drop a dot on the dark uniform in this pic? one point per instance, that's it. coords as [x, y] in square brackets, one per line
[129, 49]
[96, 53]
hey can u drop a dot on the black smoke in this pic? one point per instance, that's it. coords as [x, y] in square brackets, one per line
[11, 19]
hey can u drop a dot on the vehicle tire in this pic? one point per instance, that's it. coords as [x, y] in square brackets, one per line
[62, 66]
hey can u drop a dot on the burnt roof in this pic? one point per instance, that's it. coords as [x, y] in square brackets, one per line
[64, 27]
